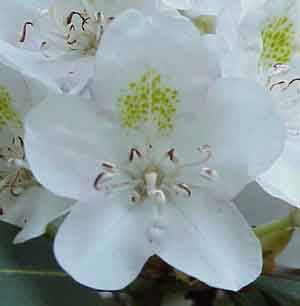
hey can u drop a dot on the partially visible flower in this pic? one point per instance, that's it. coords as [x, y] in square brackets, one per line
[57, 44]
[266, 49]
[156, 159]
[23, 201]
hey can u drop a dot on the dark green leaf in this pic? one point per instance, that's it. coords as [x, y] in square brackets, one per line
[23, 289]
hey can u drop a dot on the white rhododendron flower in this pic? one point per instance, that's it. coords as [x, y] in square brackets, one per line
[266, 49]
[57, 44]
[23, 201]
[155, 160]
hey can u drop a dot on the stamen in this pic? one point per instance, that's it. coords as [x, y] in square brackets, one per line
[159, 195]
[134, 153]
[24, 31]
[280, 68]
[102, 178]
[206, 153]
[135, 197]
[277, 84]
[183, 188]
[172, 156]
[13, 186]
[292, 82]
[209, 174]
[109, 167]
[43, 47]
[99, 17]
[73, 42]
[72, 14]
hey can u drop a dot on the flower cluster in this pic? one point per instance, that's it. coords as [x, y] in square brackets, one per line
[138, 123]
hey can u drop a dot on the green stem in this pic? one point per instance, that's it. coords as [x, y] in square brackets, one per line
[25, 272]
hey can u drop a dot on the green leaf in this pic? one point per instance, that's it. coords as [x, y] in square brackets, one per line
[23, 281]
[283, 291]
[250, 298]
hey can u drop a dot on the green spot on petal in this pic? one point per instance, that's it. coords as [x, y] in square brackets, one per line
[7, 114]
[149, 99]
[278, 39]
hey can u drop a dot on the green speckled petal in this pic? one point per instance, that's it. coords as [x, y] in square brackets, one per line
[149, 99]
[278, 38]
[7, 113]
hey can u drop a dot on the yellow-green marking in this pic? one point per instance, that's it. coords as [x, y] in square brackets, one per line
[278, 39]
[7, 113]
[149, 99]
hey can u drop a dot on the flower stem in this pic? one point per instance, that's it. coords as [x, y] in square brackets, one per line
[27, 272]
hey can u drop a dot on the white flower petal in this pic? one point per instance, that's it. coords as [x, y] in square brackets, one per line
[179, 4]
[66, 143]
[209, 239]
[154, 43]
[239, 122]
[103, 245]
[115, 7]
[18, 88]
[282, 179]
[215, 7]
[33, 211]
[13, 15]
[57, 74]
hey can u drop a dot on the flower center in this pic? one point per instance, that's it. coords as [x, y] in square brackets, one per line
[278, 39]
[84, 32]
[15, 176]
[149, 100]
[145, 176]
[81, 32]
[7, 114]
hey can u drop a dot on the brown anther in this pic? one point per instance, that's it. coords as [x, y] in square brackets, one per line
[83, 19]
[108, 167]
[135, 197]
[72, 28]
[72, 14]
[134, 153]
[277, 84]
[185, 188]
[110, 19]
[84, 22]
[99, 17]
[21, 142]
[73, 42]
[13, 185]
[172, 156]
[292, 82]
[98, 181]
[24, 31]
